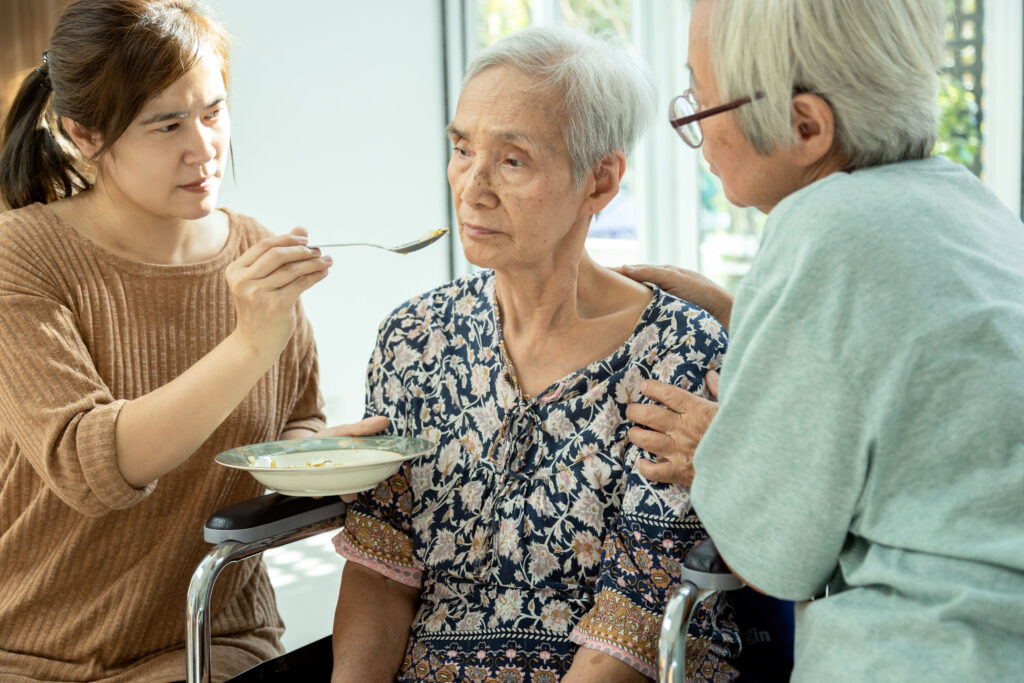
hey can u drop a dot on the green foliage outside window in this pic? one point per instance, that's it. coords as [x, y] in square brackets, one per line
[501, 17]
[959, 125]
[960, 116]
[598, 16]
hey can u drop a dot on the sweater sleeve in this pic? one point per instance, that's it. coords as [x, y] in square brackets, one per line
[308, 411]
[54, 403]
[300, 359]
[781, 469]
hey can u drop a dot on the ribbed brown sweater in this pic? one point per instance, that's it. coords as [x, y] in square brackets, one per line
[93, 572]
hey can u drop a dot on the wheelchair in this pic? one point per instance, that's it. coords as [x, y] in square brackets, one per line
[241, 531]
[253, 526]
[765, 623]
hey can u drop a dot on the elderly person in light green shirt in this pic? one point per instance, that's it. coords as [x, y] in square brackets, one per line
[868, 447]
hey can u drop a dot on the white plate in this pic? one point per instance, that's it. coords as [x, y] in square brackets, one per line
[325, 466]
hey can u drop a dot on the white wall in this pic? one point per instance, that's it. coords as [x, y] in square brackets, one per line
[338, 120]
[337, 109]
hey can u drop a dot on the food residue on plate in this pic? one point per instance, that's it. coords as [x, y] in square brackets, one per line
[322, 462]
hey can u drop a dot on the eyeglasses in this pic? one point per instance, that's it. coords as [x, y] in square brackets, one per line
[684, 113]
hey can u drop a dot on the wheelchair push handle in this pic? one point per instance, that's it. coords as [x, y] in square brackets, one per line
[704, 572]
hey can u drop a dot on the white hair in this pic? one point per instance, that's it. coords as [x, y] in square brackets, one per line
[874, 61]
[606, 90]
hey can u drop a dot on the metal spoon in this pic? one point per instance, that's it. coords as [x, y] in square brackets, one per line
[417, 244]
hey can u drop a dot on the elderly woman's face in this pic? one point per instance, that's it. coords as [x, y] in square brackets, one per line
[748, 178]
[510, 174]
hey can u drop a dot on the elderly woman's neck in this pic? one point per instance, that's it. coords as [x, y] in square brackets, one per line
[555, 321]
[544, 298]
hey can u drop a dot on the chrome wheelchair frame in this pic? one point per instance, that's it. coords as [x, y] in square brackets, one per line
[240, 531]
[253, 526]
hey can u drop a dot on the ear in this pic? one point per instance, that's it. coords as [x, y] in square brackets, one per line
[88, 142]
[813, 127]
[604, 181]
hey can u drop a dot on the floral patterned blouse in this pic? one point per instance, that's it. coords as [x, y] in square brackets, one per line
[528, 531]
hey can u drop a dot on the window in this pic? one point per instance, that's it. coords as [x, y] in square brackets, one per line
[961, 84]
[672, 209]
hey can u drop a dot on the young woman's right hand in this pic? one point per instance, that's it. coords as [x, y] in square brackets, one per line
[158, 431]
[265, 282]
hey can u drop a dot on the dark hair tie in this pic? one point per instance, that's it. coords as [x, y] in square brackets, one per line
[44, 69]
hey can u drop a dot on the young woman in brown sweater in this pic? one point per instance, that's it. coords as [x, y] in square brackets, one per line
[141, 332]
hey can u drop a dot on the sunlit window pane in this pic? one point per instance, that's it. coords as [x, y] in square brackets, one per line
[501, 17]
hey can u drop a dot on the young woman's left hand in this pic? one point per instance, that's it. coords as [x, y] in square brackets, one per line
[365, 427]
[675, 428]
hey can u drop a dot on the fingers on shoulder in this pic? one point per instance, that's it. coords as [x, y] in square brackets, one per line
[665, 472]
[676, 398]
[651, 441]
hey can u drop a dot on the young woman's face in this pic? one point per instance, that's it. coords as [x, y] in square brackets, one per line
[170, 161]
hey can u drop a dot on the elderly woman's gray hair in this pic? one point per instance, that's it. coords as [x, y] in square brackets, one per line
[874, 61]
[606, 91]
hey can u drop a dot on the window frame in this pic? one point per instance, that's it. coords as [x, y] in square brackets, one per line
[1002, 142]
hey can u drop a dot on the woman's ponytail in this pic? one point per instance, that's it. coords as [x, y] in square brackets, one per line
[105, 59]
[34, 165]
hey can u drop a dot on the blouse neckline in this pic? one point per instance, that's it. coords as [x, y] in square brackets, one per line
[563, 388]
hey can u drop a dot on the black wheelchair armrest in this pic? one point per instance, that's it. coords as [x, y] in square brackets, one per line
[240, 531]
[270, 515]
[704, 557]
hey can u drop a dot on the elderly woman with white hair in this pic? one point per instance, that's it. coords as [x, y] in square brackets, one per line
[527, 547]
[871, 401]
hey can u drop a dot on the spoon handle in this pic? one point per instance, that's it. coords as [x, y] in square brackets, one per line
[406, 248]
[347, 244]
